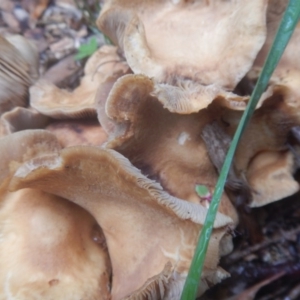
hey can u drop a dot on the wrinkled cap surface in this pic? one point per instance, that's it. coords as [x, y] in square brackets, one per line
[150, 235]
[211, 42]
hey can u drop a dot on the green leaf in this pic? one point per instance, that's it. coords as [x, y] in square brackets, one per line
[284, 33]
[86, 50]
[202, 190]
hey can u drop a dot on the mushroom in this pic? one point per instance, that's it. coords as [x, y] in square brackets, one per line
[187, 39]
[21, 118]
[57, 103]
[55, 255]
[166, 146]
[18, 70]
[270, 176]
[150, 235]
[58, 249]
[265, 142]
[268, 128]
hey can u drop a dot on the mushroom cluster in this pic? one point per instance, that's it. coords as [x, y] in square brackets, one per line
[111, 211]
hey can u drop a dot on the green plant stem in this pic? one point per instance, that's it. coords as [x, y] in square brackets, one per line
[284, 33]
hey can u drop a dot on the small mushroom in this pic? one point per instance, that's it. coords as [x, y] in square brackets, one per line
[210, 42]
[57, 103]
[150, 235]
[58, 249]
[18, 70]
[270, 177]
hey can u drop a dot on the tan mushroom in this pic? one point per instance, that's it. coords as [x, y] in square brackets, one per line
[165, 146]
[150, 235]
[47, 250]
[211, 42]
[270, 177]
[18, 70]
[264, 142]
[52, 101]
[58, 249]
[268, 129]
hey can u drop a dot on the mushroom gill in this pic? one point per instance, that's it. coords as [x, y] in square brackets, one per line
[150, 235]
[18, 70]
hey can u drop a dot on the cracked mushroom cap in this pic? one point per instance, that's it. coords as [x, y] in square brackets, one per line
[18, 70]
[166, 146]
[58, 103]
[205, 41]
[57, 247]
[150, 235]
[270, 175]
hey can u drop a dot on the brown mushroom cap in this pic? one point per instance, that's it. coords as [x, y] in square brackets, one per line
[150, 235]
[18, 70]
[54, 252]
[270, 177]
[21, 118]
[269, 127]
[56, 245]
[187, 39]
[165, 146]
[52, 101]
[21, 146]
[264, 139]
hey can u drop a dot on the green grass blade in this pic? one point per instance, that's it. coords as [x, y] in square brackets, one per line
[284, 33]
